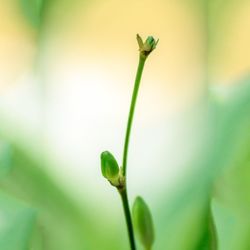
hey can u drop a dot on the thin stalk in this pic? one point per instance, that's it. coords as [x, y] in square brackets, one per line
[131, 112]
[123, 193]
[127, 214]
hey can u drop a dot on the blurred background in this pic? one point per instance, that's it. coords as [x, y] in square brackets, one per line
[66, 77]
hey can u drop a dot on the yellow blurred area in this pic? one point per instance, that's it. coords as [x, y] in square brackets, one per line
[106, 29]
[104, 33]
[231, 54]
[17, 46]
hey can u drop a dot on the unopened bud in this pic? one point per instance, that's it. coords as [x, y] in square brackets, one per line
[148, 46]
[110, 167]
[143, 222]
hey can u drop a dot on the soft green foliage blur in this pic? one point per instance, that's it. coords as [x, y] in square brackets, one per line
[30, 200]
[32, 9]
[36, 213]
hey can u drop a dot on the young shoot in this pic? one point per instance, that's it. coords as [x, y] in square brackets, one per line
[117, 176]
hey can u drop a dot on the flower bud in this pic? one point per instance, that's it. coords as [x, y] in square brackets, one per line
[150, 44]
[147, 47]
[109, 165]
[143, 222]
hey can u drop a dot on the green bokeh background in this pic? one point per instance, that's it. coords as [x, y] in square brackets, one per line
[52, 195]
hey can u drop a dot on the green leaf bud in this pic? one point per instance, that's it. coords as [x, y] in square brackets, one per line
[109, 166]
[143, 222]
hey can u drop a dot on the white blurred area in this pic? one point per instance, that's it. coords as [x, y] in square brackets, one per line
[76, 103]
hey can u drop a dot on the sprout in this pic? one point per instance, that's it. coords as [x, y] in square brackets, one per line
[143, 222]
[117, 176]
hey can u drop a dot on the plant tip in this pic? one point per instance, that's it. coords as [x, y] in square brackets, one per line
[146, 47]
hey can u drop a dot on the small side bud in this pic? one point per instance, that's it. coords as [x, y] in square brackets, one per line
[110, 167]
[147, 47]
[143, 223]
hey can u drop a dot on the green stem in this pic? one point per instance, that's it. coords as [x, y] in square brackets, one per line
[131, 112]
[123, 192]
[127, 214]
